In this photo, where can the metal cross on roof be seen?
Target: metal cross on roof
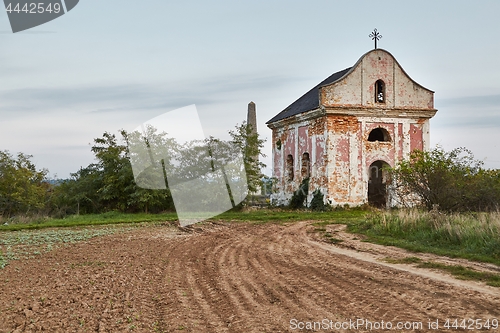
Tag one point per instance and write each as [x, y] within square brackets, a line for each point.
[375, 36]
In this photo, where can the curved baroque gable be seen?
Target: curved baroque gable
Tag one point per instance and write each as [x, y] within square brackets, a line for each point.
[358, 89]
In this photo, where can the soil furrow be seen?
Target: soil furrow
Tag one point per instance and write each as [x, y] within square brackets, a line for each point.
[226, 278]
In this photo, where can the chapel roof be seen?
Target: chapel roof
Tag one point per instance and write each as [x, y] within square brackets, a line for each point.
[310, 100]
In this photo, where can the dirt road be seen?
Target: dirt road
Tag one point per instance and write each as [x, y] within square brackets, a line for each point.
[232, 278]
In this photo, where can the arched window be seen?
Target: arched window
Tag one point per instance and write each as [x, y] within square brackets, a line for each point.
[289, 167]
[306, 166]
[379, 134]
[379, 91]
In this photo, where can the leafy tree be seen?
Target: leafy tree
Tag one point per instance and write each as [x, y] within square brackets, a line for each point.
[452, 181]
[148, 192]
[108, 184]
[80, 193]
[115, 172]
[484, 191]
[23, 188]
[251, 145]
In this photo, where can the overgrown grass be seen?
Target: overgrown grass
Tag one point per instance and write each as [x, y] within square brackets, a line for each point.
[331, 239]
[460, 272]
[85, 220]
[285, 216]
[464, 273]
[474, 236]
[407, 260]
[258, 216]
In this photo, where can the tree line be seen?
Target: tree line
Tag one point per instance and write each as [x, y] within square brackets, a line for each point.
[108, 184]
[435, 179]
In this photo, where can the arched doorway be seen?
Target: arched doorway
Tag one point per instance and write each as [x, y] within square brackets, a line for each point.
[377, 183]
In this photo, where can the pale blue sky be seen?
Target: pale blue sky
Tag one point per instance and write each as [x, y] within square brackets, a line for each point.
[114, 64]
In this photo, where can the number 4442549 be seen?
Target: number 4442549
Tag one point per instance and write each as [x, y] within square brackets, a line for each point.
[471, 324]
[34, 8]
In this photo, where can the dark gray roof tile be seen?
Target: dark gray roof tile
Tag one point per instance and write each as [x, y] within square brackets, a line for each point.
[309, 101]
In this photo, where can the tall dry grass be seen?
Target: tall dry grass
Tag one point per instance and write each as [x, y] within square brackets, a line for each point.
[474, 235]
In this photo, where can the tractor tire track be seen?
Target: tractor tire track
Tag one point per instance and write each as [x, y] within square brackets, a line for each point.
[258, 278]
[234, 277]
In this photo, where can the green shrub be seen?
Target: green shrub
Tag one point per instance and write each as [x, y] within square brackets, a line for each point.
[300, 195]
[450, 181]
[317, 202]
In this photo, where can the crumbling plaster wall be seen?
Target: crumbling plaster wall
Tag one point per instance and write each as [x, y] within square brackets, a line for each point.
[357, 88]
[350, 154]
[353, 112]
[337, 137]
[341, 154]
[297, 138]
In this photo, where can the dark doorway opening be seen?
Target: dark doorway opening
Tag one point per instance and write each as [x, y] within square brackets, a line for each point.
[377, 184]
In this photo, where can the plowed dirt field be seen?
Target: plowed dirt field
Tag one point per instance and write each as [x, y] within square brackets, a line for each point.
[236, 277]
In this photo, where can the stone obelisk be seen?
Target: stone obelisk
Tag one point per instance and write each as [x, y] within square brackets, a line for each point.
[252, 117]
[252, 121]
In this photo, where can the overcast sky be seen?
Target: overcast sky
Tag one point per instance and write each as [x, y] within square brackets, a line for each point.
[113, 64]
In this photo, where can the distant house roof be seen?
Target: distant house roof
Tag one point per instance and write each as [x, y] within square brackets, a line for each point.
[309, 101]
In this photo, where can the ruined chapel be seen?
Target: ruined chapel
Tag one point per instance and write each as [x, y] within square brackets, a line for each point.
[341, 133]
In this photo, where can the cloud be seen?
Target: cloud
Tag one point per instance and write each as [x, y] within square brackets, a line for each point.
[56, 97]
[56, 123]
[471, 101]
[470, 111]
[479, 140]
[123, 97]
